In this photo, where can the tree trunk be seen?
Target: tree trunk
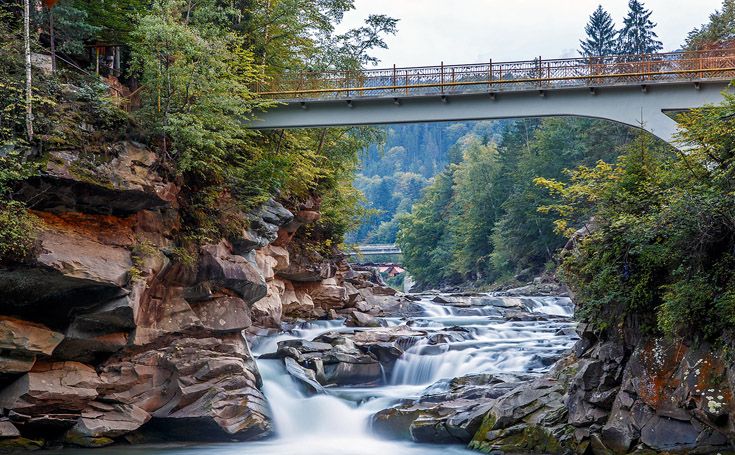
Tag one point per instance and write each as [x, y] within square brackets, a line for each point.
[29, 74]
[52, 37]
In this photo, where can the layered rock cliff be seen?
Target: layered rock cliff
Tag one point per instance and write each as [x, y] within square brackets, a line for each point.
[110, 331]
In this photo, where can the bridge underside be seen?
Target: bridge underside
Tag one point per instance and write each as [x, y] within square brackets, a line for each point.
[650, 107]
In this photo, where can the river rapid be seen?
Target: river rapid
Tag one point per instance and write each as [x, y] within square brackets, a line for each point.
[338, 422]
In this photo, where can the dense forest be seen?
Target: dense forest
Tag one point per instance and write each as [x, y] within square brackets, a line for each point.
[195, 65]
[394, 172]
[478, 220]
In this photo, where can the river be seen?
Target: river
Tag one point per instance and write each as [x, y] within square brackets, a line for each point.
[338, 422]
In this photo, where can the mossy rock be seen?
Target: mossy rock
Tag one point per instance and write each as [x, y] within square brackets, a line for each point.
[87, 441]
[20, 443]
[520, 439]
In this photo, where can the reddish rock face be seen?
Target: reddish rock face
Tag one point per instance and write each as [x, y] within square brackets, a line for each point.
[110, 291]
[24, 337]
[206, 380]
[52, 388]
[223, 314]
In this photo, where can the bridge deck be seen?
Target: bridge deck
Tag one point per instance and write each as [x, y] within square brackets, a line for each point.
[375, 250]
[537, 74]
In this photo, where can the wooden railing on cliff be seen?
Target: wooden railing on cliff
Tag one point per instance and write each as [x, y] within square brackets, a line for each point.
[715, 64]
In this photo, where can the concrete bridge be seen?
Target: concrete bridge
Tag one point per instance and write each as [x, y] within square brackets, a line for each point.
[645, 91]
[375, 250]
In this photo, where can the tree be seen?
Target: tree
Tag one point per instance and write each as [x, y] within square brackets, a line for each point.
[601, 35]
[720, 28]
[637, 36]
[351, 49]
[660, 250]
[69, 28]
[29, 69]
[424, 236]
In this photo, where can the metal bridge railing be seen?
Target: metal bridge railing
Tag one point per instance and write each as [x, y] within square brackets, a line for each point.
[717, 64]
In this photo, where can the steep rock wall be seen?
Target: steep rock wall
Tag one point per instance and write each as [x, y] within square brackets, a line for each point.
[110, 332]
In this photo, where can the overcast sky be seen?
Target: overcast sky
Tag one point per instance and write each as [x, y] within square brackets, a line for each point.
[468, 31]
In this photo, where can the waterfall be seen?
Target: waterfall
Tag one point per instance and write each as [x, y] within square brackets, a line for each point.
[472, 336]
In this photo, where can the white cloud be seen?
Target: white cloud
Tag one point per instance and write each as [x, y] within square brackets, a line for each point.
[464, 31]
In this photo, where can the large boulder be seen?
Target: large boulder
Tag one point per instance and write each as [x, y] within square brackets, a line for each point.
[52, 386]
[223, 314]
[267, 312]
[447, 413]
[308, 267]
[339, 362]
[164, 311]
[530, 419]
[220, 268]
[196, 389]
[296, 303]
[264, 224]
[326, 294]
[101, 423]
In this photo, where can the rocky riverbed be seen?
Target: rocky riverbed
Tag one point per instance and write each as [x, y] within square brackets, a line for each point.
[407, 382]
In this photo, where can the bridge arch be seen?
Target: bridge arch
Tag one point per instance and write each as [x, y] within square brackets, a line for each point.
[641, 91]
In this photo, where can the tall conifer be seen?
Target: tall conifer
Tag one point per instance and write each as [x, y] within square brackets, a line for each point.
[637, 35]
[601, 35]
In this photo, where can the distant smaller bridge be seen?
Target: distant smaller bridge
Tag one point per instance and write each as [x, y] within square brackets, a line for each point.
[375, 250]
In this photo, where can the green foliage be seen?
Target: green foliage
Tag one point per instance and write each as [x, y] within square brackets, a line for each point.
[424, 237]
[350, 50]
[109, 22]
[72, 27]
[12, 88]
[394, 174]
[490, 226]
[196, 62]
[18, 230]
[720, 28]
[197, 71]
[661, 245]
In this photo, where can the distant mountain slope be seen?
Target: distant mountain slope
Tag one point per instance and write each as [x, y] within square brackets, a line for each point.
[394, 174]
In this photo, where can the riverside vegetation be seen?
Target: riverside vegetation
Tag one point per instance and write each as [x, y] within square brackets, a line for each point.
[148, 241]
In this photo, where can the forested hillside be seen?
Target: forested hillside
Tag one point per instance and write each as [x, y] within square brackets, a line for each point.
[394, 172]
[478, 221]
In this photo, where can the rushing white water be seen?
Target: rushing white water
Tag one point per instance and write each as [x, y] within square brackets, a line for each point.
[337, 422]
[491, 344]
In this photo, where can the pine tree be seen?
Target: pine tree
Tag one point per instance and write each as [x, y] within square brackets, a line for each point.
[637, 35]
[601, 35]
[718, 31]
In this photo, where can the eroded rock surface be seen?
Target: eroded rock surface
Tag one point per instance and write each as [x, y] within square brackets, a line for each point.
[112, 331]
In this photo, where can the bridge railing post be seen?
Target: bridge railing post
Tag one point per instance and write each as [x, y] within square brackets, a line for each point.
[442, 78]
[490, 76]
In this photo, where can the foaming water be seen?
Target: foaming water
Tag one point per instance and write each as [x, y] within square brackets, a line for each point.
[304, 331]
[469, 339]
[556, 306]
[466, 339]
